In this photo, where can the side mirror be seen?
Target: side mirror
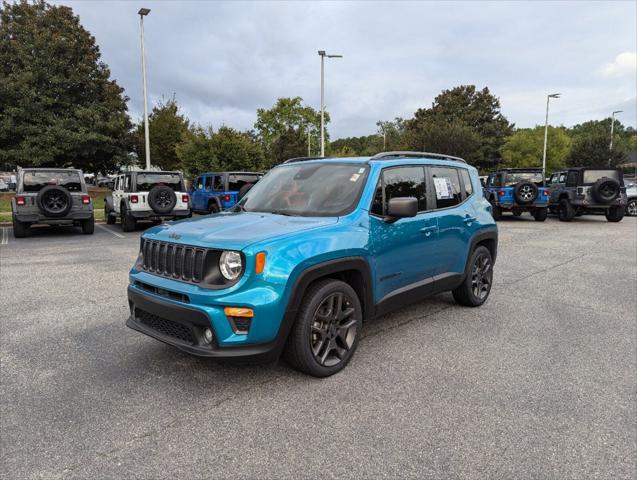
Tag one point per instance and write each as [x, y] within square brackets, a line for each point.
[401, 207]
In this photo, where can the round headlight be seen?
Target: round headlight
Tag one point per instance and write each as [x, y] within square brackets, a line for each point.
[230, 264]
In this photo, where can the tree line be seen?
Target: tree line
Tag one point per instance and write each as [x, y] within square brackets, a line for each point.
[59, 107]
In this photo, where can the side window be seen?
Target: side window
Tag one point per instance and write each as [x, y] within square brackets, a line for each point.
[199, 183]
[116, 184]
[571, 179]
[400, 182]
[206, 183]
[466, 181]
[553, 179]
[217, 184]
[447, 184]
[562, 178]
[127, 183]
[489, 181]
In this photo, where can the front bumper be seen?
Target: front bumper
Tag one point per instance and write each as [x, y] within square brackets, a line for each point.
[150, 215]
[183, 327]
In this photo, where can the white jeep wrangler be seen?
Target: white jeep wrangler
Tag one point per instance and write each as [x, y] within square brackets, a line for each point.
[154, 196]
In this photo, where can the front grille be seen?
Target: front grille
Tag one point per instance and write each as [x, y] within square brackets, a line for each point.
[165, 326]
[172, 260]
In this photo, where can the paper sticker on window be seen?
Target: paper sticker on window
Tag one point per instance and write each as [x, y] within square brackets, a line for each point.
[444, 188]
[354, 177]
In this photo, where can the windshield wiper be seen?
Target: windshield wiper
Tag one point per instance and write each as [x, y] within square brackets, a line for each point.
[281, 212]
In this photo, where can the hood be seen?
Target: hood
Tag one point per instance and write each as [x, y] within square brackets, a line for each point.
[234, 231]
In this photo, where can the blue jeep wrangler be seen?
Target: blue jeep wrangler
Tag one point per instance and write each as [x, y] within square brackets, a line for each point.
[316, 247]
[517, 190]
[215, 191]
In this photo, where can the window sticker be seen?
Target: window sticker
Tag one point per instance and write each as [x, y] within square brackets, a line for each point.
[444, 188]
[361, 170]
[354, 177]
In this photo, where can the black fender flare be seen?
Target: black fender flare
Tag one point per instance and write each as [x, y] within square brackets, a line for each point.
[108, 204]
[215, 200]
[481, 236]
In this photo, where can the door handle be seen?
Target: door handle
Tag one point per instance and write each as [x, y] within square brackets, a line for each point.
[469, 220]
[428, 230]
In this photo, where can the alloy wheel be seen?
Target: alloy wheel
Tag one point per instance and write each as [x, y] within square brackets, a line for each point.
[55, 202]
[631, 208]
[526, 193]
[334, 329]
[481, 276]
[163, 199]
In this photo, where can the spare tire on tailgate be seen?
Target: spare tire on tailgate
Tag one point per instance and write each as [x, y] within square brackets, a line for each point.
[605, 190]
[525, 192]
[54, 201]
[162, 199]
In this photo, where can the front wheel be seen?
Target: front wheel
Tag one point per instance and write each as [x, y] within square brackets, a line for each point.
[566, 211]
[476, 286]
[327, 328]
[615, 214]
[540, 214]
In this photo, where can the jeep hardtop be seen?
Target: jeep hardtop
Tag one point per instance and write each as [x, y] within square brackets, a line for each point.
[51, 196]
[147, 195]
[517, 190]
[582, 190]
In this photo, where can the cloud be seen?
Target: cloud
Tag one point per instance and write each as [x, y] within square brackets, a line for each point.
[624, 63]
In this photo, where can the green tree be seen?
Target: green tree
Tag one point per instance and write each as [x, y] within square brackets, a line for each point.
[525, 148]
[58, 106]
[228, 149]
[274, 125]
[166, 127]
[365, 146]
[469, 114]
[453, 138]
[591, 142]
[392, 134]
[288, 144]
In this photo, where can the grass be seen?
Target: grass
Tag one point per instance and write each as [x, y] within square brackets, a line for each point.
[97, 195]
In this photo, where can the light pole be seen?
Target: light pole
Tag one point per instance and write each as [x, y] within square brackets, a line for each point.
[612, 126]
[546, 132]
[322, 54]
[142, 13]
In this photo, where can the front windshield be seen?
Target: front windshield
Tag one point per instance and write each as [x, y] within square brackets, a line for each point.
[308, 189]
[514, 177]
[591, 176]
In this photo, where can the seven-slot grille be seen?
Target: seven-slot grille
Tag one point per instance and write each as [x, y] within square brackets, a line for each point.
[181, 262]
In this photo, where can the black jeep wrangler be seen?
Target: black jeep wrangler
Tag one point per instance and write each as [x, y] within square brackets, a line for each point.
[577, 191]
[51, 196]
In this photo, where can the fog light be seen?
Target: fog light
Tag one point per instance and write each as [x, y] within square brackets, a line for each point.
[207, 335]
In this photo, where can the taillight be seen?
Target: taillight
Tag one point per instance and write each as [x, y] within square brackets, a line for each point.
[86, 199]
[184, 198]
[502, 193]
[546, 193]
[226, 198]
[20, 200]
[134, 199]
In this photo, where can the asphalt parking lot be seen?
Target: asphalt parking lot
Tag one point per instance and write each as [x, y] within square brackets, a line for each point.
[538, 383]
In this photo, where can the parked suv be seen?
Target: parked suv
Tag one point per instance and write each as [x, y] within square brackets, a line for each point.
[631, 199]
[517, 190]
[154, 196]
[51, 196]
[316, 247]
[216, 191]
[582, 190]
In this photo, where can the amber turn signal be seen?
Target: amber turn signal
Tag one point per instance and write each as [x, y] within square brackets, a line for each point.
[238, 312]
[260, 262]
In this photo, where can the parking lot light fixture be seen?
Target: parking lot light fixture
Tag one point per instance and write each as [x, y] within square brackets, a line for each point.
[612, 126]
[546, 131]
[322, 54]
[142, 13]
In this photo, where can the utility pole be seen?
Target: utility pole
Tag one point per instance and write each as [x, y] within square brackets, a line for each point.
[612, 126]
[142, 13]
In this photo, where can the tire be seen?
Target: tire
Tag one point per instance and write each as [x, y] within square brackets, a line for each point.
[20, 229]
[525, 192]
[540, 214]
[614, 214]
[476, 286]
[54, 201]
[245, 189]
[566, 211]
[213, 208]
[110, 219]
[162, 199]
[631, 207]
[517, 213]
[605, 190]
[496, 211]
[306, 349]
[128, 222]
[88, 226]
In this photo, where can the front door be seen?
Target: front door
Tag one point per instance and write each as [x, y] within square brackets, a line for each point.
[404, 251]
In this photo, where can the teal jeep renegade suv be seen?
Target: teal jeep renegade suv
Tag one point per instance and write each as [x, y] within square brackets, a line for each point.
[315, 248]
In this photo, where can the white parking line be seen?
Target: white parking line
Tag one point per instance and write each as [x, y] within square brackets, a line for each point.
[5, 236]
[118, 235]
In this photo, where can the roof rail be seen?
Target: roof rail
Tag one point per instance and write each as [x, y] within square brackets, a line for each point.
[386, 155]
[303, 159]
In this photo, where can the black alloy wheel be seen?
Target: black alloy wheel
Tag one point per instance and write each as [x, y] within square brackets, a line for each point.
[481, 276]
[631, 207]
[54, 201]
[333, 330]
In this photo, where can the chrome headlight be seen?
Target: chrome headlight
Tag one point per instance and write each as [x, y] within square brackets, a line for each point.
[230, 264]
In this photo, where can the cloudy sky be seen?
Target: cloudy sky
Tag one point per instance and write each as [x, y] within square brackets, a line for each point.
[223, 60]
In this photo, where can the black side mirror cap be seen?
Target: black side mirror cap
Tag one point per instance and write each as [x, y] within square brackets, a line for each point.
[401, 207]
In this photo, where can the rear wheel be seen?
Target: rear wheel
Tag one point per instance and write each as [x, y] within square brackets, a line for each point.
[496, 211]
[566, 211]
[327, 328]
[110, 219]
[128, 222]
[20, 229]
[88, 226]
[540, 214]
[476, 286]
[631, 207]
[615, 214]
[213, 208]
